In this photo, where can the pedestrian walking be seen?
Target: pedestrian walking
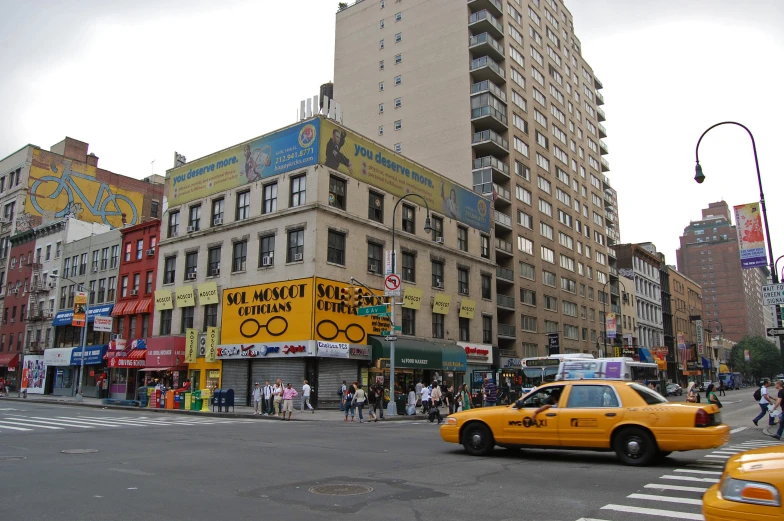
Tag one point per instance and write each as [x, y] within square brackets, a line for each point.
[267, 398]
[288, 400]
[378, 391]
[762, 397]
[436, 395]
[710, 395]
[425, 399]
[449, 399]
[257, 394]
[778, 405]
[277, 398]
[691, 393]
[412, 400]
[348, 401]
[491, 393]
[306, 398]
[360, 397]
[721, 388]
[418, 390]
[465, 398]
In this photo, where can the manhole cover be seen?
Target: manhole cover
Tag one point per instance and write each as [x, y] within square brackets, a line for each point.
[79, 451]
[340, 490]
[12, 458]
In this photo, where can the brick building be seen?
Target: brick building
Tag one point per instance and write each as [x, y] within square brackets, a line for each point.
[709, 254]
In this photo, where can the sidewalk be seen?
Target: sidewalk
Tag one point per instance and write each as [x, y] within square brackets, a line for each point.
[238, 412]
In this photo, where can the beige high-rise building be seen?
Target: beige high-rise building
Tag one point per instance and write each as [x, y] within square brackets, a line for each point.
[497, 96]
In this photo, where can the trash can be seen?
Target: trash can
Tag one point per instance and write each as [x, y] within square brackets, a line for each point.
[144, 396]
[181, 400]
[205, 400]
[400, 402]
[187, 401]
[227, 399]
[196, 401]
[216, 399]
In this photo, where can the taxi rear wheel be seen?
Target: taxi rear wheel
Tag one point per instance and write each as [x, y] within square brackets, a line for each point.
[635, 446]
[477, 439]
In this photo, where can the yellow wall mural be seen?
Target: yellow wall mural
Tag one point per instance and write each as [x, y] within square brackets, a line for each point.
[59, 187]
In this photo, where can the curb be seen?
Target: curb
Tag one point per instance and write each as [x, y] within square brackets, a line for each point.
[194, 413]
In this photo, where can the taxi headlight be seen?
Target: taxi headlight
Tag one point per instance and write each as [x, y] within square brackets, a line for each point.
[750, 492]
[451, 421]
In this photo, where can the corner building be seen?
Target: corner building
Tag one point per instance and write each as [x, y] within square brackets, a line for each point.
[259, 239]
[497, 95]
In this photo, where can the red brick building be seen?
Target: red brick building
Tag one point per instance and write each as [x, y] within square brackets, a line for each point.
[133, 311]
[709, 254]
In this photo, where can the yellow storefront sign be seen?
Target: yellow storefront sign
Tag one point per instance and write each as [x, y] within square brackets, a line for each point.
[191, 345]
[211, 346]
[184, 295]
[58, 188]
[208, 293]
[441, 304]
[337, 321]
[412, 298]
[467, 308]
[163, 299]
[274, 312]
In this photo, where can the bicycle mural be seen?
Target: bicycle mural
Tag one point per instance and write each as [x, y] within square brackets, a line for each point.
[61, 187]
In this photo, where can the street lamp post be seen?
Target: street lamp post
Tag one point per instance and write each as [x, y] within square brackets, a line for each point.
[700, 178]
[604, 312]
[392, 406]
[79, 394]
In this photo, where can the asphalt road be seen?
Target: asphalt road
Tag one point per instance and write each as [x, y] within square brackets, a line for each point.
[168, 467]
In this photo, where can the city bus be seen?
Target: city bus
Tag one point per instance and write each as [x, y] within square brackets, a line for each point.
[622, 368]
[533, 372]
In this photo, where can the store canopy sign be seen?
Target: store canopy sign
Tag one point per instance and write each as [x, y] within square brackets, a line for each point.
[208, 293]
[337, 321]
[163, 299]
[266, 350]
[184, 296]
[332, 349]
[58, 356]
[477, 353]
[93, 355]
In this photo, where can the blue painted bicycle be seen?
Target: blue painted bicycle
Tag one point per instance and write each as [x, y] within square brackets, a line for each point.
[107, 205]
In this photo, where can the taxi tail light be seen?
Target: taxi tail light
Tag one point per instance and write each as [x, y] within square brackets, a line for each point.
[703, 419]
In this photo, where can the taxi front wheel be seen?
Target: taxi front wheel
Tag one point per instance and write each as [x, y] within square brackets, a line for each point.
[635, 446]
[477, 439]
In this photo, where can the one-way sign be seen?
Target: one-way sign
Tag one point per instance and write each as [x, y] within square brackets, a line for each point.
[775, 331]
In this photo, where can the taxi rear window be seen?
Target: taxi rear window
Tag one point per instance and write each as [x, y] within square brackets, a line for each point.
[651, 397]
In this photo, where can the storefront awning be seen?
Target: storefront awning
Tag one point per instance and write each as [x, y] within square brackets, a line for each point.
[142, 306]
[421, 354]
[58, 356]
[9, 360]
[119, 308]
[706, 364]
[93, 355]
[63, 318]
[155, 369]
[645, 355]
[724, 369]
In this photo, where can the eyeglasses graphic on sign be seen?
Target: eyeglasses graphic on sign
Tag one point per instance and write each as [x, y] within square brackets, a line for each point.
[329, 330]
[275, 326]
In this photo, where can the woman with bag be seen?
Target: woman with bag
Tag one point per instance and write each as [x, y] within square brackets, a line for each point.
[710, 395]
[691, 393]
[348, 401]
[465, 398]
[360, 397]
[412, 401]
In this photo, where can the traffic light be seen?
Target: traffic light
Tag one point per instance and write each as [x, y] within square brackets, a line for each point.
[356, 296]
[345, 294]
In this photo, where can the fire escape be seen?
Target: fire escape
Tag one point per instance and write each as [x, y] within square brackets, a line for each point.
[36, 306]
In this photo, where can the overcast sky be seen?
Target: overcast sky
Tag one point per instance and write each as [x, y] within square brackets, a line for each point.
[139, 80]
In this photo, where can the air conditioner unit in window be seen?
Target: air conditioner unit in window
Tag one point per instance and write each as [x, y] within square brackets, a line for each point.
[373, 266]
[217, 221]
[134, 292]
[215, 272]
[95, 266]
[15, 291]
[266, 261]
[439, 284]
[173, 234]
[440, 240]
[151, 252]
[116, 337]
[190, 229]
[13, 320]
[297, 257]
[191, 276]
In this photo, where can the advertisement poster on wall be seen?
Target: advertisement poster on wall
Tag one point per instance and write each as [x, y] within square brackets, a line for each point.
[79, 318]
[612, 322]
[33, 374]
[751, 238]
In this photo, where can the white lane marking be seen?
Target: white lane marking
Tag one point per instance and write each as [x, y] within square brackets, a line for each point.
[590, 519]
[49, 421]
[725, 452]
[689, 478]
[13, 428]
[708, 472]
[28, 424]
[717, 457]
[666, 499]
[679, 488]
[111, 423]
[654, 512]
[738, 429]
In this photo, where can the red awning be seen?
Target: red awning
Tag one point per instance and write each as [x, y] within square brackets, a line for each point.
[136, 354]
[9, 359]
[144, 306]
[119, 309]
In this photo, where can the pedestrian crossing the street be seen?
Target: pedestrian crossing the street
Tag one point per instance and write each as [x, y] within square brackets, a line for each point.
[17, 423]
[677, 494]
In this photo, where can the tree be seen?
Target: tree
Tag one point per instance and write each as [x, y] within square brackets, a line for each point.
[765, 358]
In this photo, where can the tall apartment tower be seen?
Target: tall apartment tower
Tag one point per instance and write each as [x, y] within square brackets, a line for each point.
[497, 96]
[709, 254]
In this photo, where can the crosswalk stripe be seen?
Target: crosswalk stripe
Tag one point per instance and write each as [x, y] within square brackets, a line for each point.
[115, 423]
[679, 488]
[28, 424]
[707, 465]
[654, 512]
[726, 452]
[689, 478]
[690, 471]
[738, 429]
[48, 421]
[13, 428]
[666, 499]
[590, 519]
[717, 457]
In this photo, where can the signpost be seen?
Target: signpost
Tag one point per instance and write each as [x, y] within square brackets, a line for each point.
[371, 310]
[392, 285]
[772, 294]
[775, 331]
[391, 338]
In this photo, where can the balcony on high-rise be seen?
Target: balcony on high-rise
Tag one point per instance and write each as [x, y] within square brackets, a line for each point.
[597, 83]
[502, 198]
[605, 165]
[506, 302]
[602, 131]
[491, 5]
[488, 142]
[486, 68]
[484, 22]
[600, 114]
[506, 331]
[485, 45]
[503, 220]
[504, 275]
[603, 148]
[503, 247]
[498, 169]
[599, 98]
[488, 86]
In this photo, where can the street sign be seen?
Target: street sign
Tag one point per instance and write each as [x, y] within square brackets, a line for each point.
[398, 328]
[772, 294]
[392, 285]
[386, 333]
[385, 315]
[371, 310]
[775, 331]
[391, 338]
[388, 261]
[553, 343]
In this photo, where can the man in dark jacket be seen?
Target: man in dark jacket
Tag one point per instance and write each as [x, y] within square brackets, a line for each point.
[334, 157]
[491, 393]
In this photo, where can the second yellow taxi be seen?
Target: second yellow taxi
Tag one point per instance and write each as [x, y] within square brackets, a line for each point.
[636, 422]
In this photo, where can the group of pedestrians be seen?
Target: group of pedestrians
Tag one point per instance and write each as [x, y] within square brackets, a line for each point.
[769, 405]
[277, 400]
[354, 398]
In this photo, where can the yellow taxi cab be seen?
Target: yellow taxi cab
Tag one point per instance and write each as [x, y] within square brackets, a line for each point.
[639, 424]
[750, 488]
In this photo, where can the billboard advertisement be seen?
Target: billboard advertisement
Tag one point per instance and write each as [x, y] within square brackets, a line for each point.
[273, 312]
[337, 321]
[79, 318]
[351, 154]
[612, 322]
[751, 238]
[60, 187]
[681, 340]
[260, 158]
[33, 374]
